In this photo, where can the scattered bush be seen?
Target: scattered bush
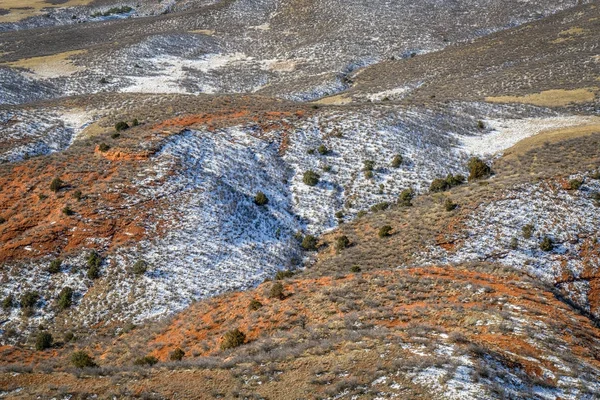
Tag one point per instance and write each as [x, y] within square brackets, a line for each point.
[341, 242]
[283, 274]
[310, 151]
[368, 165]
[323, 150]
[361, 214]
[441, 185]
[135, 122]
[232, 339]
[339, 214]
[368, 174]
[93, 262]
[29, 299]
[8, 302]
[355, 269]
[528, 231]
[93, 273]
[311, 178]
[309, 243]
[547, 244]
[397, 161]
[449, 205]
[81, 359]
[177, 354]
[276, 291]
[575, 184]
[67, 210]
[326, 168]
[103, 147]
[146, 361]
[55, 265]
[481, 124]
[514, 243]
[406, 197]
[56, 184]
[260, 199]
[380, 206]
[140, 267]
[478, 169]
[115, 135]
[455, 180]
[254, 305]
[65, 298]
[385, 231]
[43, 341]
[121, 126]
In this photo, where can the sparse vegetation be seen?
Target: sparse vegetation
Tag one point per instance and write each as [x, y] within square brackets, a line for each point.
[441, 185]
[29, 299]
[547, 244]
[406, 197]
[43, 341]
[311, 178]
[276, 291]
[65, 298]
[140, 267]
[232, 339]
[380, 206]
[309, 243]
[177, 354]
[67, 210]
[260, 199]
[355, 269]
[341, 242]
[384, 231]
[397, 161]
[103, 147]
[575, 184]
[323, 150]
[81, 359]
[8, 302]
[283, 274]
[528, 231]
[478, 169]
[146, 361]
[121, 126]
[77, 195]
[254, 305]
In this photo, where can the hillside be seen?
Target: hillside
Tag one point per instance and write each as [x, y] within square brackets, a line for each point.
[163, 167]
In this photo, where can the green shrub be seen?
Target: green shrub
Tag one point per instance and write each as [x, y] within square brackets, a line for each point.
[323, 150]
[397, 161]
[449, 205]
[177, 354]
[455, 180]
[283, 274]
[140, 267]
[65, 298]
[310, 151]
[276, 291]
[29, 299]
[56, 184]
[406, 197]
[438, 185]
[309, 243]
[260, 199]
[43, 341]
[254, 305]
[55, 265]
[514, 243]
[81, 359]
[121, 126]
[575, 184]
[77, 195]
[93, 259]
[341, 242]
[481, 124]
[355, 269]
[326, 168]
[369, 174]
[368, 165]
[135, 122]
[361, 214]
[339, 214]
[232, 339]
[115, 135]
[385, 231]
[146, 361]
[67, 210]
[528, 231]
[93, 272]
[384, 205]
[8, 302]
[547, 244]
[478, 169]
[311, 178]
[103, 147]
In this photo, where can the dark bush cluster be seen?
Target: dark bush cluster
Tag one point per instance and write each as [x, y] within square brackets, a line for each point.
[341, 242]
[575, 184]
[323, 150]
[311, 178]
[547, 244]
[449, 205]
[283, 274]
[146, 361]
[65, 298]
[397, 161]
[103, 147]
[81, 359]
[309, 243]
[43, 341]
[443, 184]
[528, 231]
[232, 339]
[29, 299]
[56, 184]
[276, 291]
[406, 197]
[177, 354]
[385, 231]
[478, 169]
[254, 305]
[140, 267]
[55, 266]
[93, 263]
[384, 205]
[260, 199]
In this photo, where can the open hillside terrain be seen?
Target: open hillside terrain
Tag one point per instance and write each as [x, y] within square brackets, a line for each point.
[289, 199]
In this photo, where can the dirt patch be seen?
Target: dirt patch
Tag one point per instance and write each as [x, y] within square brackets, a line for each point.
[550, 98]
[20, 9]
[53, 66]
[340, 99]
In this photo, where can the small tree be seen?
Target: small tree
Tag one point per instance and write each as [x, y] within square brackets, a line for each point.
[177, 354]
[478, 169]
[309, 243]
[311, 178]
[323, 150]
[56, 184]
[55, 266]
[438, 185]
[385, 231]
[368, 165]
[254, 305]
[29, 299]
[449, 205]
[81, 359]
[514, 243]
[276, 291]
[43, 341]
[65, 298]
[341, 242]
[397, 161]
[547, 244]
[528, 231]
[140, 267]
[406, 197]
[232, 339]
[121, 126]
[93, 273]
[260, 199]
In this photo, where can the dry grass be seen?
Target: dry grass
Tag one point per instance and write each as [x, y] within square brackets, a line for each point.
[53, 66]
[550, 98]
[21, 9]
